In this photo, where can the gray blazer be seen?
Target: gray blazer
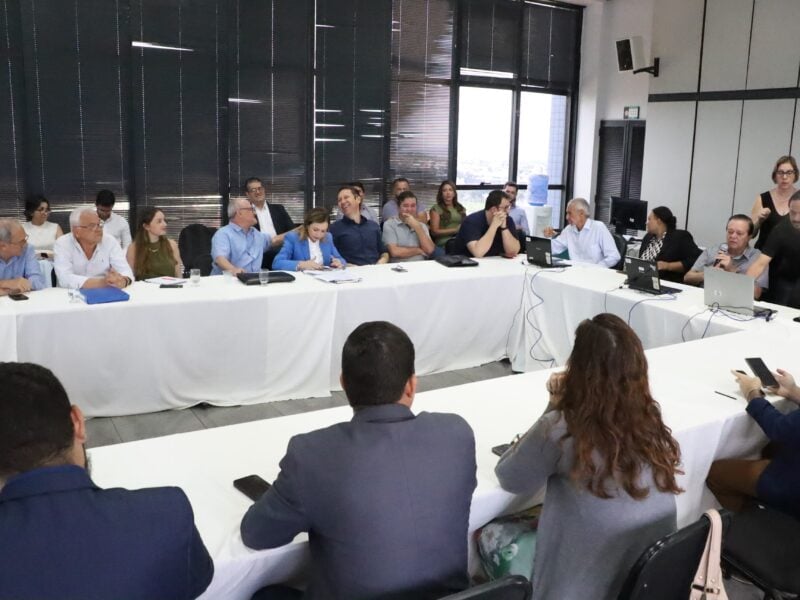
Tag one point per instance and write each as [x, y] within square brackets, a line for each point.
[385, 499]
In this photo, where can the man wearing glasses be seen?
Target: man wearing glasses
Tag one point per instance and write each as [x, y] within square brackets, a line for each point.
[19, 270]
[271, 218]
[239, 246]
[85, 258]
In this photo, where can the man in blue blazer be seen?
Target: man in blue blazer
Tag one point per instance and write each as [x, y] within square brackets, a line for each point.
[385, 497]
[63, 537]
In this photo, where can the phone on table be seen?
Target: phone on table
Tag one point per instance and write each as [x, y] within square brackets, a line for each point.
[761, 371]
[18, 297]
[171, 286]
[251, 486]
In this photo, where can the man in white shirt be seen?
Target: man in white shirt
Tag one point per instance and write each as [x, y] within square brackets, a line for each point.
[85, 258]
[114, 225]
[586, 240]
[516, 213]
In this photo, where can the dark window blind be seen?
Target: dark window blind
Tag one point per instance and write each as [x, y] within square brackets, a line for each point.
[178, 57]
[268, 92]
[422, 40]
[550, 46]
[489, 34]
[352, 94]
[76, 104]
[12, 94]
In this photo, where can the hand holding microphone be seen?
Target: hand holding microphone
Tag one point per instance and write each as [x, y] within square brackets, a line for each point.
[721, 256]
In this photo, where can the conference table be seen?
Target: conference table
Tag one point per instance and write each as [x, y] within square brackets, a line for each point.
[691, 381]
[224, 343]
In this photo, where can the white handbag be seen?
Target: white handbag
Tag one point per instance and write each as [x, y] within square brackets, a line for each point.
[707, 583]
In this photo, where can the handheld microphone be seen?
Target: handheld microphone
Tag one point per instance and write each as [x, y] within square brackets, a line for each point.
[722, 248]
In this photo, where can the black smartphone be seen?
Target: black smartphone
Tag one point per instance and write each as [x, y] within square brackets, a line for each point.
[18, 297]
[171, 286]
[796, 319]
[251, 486]
[761, 371]
[501, 449]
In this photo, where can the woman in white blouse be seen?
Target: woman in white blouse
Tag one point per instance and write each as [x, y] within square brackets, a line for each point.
[42, 234]
[310, 248]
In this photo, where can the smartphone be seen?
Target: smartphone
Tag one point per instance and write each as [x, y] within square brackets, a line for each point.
[399, 269]
[501, 449]
[171, 286]
[796, 319]
[251, 486]
[18, 297]
[761, 371]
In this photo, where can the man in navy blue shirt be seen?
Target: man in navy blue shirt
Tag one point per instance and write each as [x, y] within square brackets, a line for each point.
[356, 238]
[63, 537]
[490, 232]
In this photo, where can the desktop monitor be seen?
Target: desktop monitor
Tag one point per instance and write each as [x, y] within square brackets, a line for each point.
[627, 215]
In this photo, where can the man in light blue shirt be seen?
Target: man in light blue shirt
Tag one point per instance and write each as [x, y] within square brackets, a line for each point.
[585, 239]
[19, 269]
[239, 246]
[516, 213]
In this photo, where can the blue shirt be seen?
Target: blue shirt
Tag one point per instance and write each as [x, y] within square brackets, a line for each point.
[360, 243]
[243, 250]
[592, 244]
[520, 218]
[25, 265]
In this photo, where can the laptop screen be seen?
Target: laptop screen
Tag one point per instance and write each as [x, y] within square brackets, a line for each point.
[539, 251]
[730, 291]
[642, 274]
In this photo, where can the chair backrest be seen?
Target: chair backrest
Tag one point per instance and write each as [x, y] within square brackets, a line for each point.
[666, 569]
[194, 244]
[513, 587]
[622, 248]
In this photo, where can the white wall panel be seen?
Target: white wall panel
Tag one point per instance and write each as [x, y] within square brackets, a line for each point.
[714, 169]
[766, 134]
[725, 46]
[668, 155]
[775, 46]
[677, 30]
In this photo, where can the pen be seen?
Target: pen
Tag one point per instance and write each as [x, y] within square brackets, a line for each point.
[726, 395]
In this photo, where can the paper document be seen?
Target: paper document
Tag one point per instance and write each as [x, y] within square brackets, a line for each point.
[335, 276]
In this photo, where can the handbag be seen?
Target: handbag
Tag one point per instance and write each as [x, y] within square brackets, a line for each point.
[707, 583]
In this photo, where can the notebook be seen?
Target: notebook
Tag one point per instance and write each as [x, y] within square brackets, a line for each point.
[731, 291]
[643, 277]
[104, 295]
[274, 277]
[540, 254]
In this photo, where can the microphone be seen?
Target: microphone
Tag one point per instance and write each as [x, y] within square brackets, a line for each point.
[722, 248]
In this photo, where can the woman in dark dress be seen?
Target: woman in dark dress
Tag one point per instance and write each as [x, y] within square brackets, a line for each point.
[771, 206]
[673, 250]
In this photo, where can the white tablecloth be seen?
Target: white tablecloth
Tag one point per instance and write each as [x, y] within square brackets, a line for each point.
[684, 379]
[8, 331]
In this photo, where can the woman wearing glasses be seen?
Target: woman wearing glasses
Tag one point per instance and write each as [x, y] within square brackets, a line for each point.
[42, 234]
[771, 206]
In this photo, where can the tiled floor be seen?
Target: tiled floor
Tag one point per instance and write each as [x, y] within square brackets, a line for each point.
[103, 431]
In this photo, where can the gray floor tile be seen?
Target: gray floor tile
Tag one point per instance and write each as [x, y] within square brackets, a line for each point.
[100, 431]
[218, 416]
[435, 381]
[490, 370]
[340, 397]
[141, 427]
[301, 405]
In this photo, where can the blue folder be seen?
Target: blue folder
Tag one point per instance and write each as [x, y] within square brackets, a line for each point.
[104, 295]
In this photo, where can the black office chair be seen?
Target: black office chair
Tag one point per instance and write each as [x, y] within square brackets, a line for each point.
[665, 570]
[762, 545]
[451, 246]
[622, 248]
[513, 587]
[194, 244]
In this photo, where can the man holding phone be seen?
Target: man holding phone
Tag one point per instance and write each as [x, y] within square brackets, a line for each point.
[385, 497]
[19, 270]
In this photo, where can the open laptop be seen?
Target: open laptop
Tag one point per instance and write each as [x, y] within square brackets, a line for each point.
[731, 291]
[540, 254]
[274, 277]
[643, 277]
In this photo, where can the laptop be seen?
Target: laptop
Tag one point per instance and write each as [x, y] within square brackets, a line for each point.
[274, 277]
[456, 260]
[731, 291]
[643, 277]
[540, 254]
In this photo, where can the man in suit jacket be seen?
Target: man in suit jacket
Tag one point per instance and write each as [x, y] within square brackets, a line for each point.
[385, 497]
[272, 219]
[63, 537]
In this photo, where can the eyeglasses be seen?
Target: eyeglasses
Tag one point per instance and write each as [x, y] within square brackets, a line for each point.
[255, 189]
[92, 227]
[250, 208]
[21, 242]
[788, 173]
[42, 209]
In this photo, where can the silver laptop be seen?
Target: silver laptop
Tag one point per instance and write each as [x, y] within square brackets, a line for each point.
[729, 291]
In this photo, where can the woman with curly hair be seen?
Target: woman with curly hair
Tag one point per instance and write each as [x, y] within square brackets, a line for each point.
[608, 464]
[447, 214]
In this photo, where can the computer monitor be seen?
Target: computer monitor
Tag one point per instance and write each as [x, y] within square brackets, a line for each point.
[628, 215]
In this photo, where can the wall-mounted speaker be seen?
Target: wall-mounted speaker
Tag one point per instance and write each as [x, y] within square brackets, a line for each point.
[630, 54]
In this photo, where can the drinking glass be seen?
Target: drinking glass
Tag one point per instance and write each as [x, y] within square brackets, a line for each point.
[263, 276]
[194, 276]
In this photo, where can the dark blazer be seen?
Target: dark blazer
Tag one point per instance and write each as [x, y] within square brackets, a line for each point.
[678, 246]
[62, 537]
[283, 223]
[385, 498]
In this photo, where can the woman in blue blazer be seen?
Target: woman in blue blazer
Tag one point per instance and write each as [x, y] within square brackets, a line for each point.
[310, 248]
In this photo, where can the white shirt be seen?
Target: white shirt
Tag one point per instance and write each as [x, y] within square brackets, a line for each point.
[118, 228]
[73, 268]
[592, 244]
[315, 252]
[41, 237]
[265, 220]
